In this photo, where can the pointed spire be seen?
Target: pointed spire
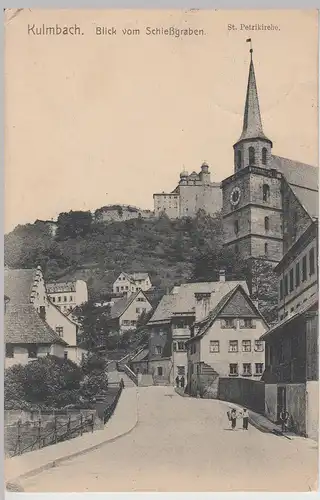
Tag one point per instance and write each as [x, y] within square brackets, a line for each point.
[252, 124]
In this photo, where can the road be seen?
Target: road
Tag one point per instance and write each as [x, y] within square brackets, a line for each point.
[185, 444]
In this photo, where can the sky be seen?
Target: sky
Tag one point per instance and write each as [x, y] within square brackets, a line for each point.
[92, 120]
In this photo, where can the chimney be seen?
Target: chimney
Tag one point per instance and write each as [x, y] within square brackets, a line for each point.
[222, 275]
[203, 300]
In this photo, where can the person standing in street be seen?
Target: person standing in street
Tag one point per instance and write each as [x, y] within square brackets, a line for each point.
[245, 419]
[233, 418]
[182, 382]
[284, 417]
[177, 381]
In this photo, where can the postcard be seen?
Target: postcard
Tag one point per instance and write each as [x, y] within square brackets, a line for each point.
[161, 257]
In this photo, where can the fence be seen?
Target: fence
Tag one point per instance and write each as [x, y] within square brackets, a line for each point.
[22, 437]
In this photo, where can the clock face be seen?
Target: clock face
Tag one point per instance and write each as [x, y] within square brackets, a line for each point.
[235, 196]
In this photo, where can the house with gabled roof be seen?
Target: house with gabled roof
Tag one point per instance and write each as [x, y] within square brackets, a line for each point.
[34, 326]
[125, 312]
[127, 283]
[225, 339]
[67, 295]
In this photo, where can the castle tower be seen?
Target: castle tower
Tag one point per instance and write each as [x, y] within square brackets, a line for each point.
[252, 200]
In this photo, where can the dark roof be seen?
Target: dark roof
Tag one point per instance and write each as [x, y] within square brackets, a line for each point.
[23, 325]
[122, 304]
[18, 285]
[67, 287]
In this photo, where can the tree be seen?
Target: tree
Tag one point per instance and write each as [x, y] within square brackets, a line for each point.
[264, 287]
[73, 224]
[95, 322]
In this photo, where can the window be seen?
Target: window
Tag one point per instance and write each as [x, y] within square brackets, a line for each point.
[266, 248]
[9, 351]
[181, 346]
[127, 288]
[239, 159]
[65, 298]
[297, 274]
[122, 288]
[246, 345]
[160, 371]
[32, 351]
[137, 310]
[304, 268]
[140, 299]
[252, 156]
[247, 323]
[214, 346]
[53, 299]
[42, 312]
[258, 345]
[281, 289]
[117, 288]
[265, 192]
[259, 368]
[233, 369]
[59, 299]
[291, 280]
[286, 285]
[174, 346]
[266, 223]
[233, 346]
[228, 323]
[264, 156]
[246, 367]
[158, 349]
[311, 262]
[59, 330]
[292, 309]
[236, 226]
[65, 355]
[181, 370]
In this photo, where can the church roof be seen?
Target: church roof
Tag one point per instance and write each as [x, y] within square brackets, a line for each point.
[252, 124]
[303, 180]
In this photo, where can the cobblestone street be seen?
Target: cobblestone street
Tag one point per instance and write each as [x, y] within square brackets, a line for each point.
[186, 444]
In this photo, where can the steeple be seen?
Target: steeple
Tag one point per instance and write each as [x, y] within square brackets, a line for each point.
[253, 147]
[252, 124]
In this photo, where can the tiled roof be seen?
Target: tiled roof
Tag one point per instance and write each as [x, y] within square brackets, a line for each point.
[164, 309]
[139, 276]
[67, 287]
[18, 284]
[121, 305]
[185, 300]
[23, 325]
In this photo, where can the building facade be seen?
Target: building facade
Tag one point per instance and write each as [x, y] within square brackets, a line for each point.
[66, 296]
[225, 340]
[194, 192]
[267, 196]
[126, 312]
[292, 349]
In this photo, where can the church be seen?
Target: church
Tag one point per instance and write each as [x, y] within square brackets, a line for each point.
[269, 201]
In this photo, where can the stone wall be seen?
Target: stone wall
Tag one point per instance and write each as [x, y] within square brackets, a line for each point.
[247, 393]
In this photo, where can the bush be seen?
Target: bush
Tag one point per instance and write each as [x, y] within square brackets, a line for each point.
[94, 385]
[93, 363]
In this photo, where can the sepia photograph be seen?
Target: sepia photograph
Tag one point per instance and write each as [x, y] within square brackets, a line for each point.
[161, 250]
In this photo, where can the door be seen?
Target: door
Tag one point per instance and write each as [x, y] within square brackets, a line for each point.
[281, 401]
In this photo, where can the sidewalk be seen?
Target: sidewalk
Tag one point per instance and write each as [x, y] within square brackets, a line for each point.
[124, 419]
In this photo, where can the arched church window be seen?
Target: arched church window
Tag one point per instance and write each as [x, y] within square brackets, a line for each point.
[264, 156]
[239, 159]
[266, 192]
[266, 248]
[251, 155]
[266, 223]
[236, 226]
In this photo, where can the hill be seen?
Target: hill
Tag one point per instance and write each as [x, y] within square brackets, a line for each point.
[171, 251]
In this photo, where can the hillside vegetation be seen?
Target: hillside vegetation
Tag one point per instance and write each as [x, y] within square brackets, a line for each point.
[171, 251]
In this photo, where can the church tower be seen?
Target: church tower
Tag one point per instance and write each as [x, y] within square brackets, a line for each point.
[252, 201]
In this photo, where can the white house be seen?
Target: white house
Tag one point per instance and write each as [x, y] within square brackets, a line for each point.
[34, 326]
[66, 296]
[126, 311]
[129, 283]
